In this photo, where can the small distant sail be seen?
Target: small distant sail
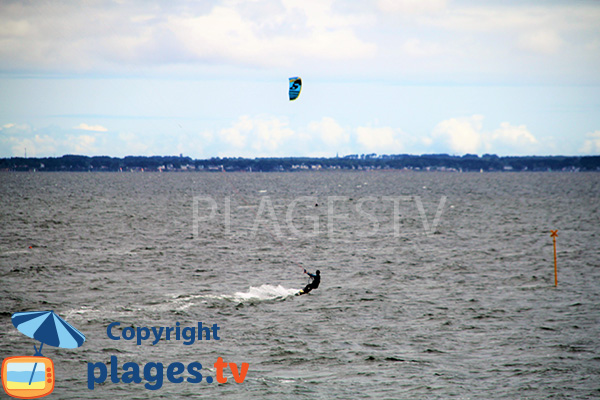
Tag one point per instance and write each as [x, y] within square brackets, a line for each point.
[295, 87]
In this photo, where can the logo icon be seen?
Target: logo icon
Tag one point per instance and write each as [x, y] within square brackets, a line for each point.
[33, 377]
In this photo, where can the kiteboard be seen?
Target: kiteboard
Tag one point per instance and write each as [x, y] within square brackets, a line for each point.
[301, 292]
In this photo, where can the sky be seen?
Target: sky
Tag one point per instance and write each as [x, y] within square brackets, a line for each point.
[210, 78]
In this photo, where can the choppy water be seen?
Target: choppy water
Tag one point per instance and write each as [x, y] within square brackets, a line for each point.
[460, 307]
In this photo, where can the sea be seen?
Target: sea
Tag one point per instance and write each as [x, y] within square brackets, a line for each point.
[435, 285]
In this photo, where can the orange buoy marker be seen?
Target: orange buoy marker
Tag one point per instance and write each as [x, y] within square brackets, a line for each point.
[554, 235]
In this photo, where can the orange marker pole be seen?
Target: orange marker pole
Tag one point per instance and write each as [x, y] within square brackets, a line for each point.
[554, 235]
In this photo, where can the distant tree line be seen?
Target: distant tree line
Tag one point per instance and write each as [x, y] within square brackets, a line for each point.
[428, 162]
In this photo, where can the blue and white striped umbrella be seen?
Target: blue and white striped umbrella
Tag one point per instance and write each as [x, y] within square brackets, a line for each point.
[48, 328]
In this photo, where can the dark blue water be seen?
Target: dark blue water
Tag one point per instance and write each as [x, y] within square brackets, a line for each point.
[434, 285]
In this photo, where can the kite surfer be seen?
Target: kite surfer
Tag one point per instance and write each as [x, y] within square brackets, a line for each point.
[315, 279]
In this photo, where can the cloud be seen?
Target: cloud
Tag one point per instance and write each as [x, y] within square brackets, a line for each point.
[82, 144]
[39, 144]
[65, 37]
[419, 48]
[258, 136]
[131, 143]
[511, 139]
[94, 128]
[518, 19]
[411, 6]
[461, 135]
[193, 143]
[53, 140]
[379, 139]
[329, 131]
[237, 134]
[16, 129]
[466, 135]
[271, 134]
[513, 135]
[16, 140]
[494, 41]
[288, 35]
[368, 39]
[592, 144]
[542, 41]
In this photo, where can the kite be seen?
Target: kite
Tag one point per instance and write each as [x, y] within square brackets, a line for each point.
[295, 87]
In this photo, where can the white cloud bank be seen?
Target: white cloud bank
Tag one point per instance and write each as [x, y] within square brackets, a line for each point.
[411, 7]
[371, 38]
[257, 136]
[99, 37]
[82, 144]
[287, 33]
[466, 135]
[16, 140]
[544, 41]
[94, 128]
[330, 132]
[591, 145]
[382, 140]
[518, 137]
[461, 135]
[273, 136]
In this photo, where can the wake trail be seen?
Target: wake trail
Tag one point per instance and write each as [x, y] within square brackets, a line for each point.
[264, 292]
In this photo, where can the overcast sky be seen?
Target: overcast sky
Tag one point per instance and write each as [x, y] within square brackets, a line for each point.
[210, 78]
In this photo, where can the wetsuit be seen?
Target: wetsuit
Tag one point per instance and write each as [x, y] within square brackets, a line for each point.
[316, 279]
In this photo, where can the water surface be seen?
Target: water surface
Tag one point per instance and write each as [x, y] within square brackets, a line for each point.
[465, 308]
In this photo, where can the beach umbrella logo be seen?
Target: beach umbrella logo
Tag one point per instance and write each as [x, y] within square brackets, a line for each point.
[33, 377]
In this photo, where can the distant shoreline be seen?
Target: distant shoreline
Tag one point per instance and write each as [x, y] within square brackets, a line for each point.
[425, 162]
